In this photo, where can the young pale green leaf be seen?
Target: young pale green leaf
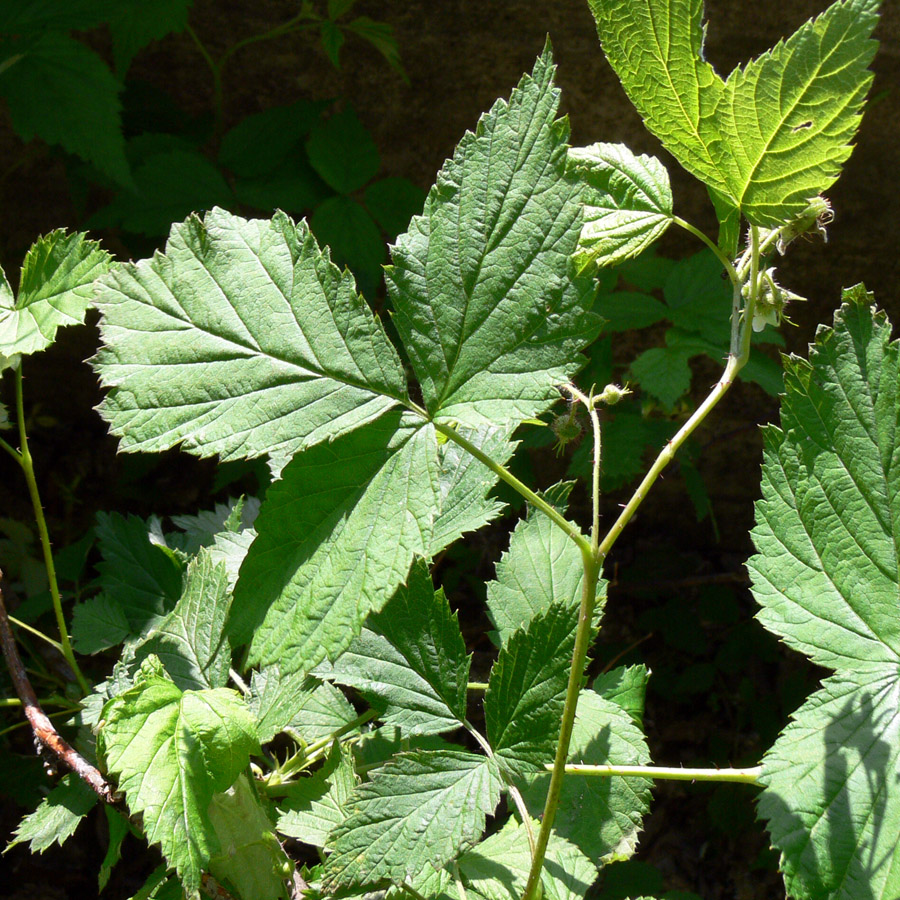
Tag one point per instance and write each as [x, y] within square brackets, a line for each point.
[484, 296]
[312, 710]
[656, 49]
[410, 661]
[421, 808]
[63, 92]
[190, 642]
[466, 483]
[627, 203]
[826, 577]
[601, 816]
[497, 869]
[315, 806]
[171, 752]
[55, 290]
[524, 699]
[242, 339]
[542, 567]
[337, 536]
[789, 117]
[143, 578]
[251, 862]
[57, 816]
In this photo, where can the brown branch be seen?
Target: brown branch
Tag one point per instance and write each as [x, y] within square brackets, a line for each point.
[44, 730]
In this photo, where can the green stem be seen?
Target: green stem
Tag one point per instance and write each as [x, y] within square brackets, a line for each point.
[216, 70]
[40, 634]
[668, 773]
[726, 262]
[592, 566]
[411, 891]
[505, 475]
[6, 703]
[476, 686]
[588, 403]
[11, 451]
[28, 468]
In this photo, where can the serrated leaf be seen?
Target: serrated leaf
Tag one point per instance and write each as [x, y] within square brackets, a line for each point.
[826, 577]
[135, 24]
[171, 752]
[57, 816]
[656, 49]
[789, 117]
[252, 862]
[497, 869]
[342, 151]
[381, 36]
[336, 537]
[63, 93]
[410, 661]
[140, 576]
[484, 296]
[312, 710]
[628, 310]
[315, 365]
[601, 816]
[626, 686]
[627, 203]
[98, 624]
[332, 40]
[542, 567]
[524, 698]
[190, 642]
[315, 806]
[466, 483]
[664, 372]
[421, 808]
[118, 828]
[393, 202]
[55, 290]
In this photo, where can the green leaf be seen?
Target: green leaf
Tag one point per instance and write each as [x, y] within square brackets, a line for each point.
[627, 203]
[484, 296]
[601, 816]
[337, 536]
[626, 686]
[524, 699]
[381, 36]
[297, 359]
[315, 806]
[628, 310]
[466, 483]
[664, 373]
[57, 817]
[55, 290]
[497, 869]
[136, 23]
[342, 151]
[656, 49]
[699, 299]
[332, 40]
[312, 710]
[172, 751]
[789, 117]
[421, 808]
[63, 93]
[118, 828]
[542, 567]
[410, 661]
[252, 862]
[293, 187]
[143, 578]
[826, 577]
[190, 642]
[393, 202]
[22, 16]
[98, 624]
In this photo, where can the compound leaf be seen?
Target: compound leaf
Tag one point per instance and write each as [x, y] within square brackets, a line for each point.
[826, 577]
[56, 289]
[410, 661]
[241, 339]
[524, 698]
[57, 816]
[172, 751]
[336, 537]
[627, 203]
[420, 809]
[63, 92]
[789, 117]
[483, 293]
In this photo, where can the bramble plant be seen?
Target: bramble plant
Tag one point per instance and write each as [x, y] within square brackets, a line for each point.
[243, 625]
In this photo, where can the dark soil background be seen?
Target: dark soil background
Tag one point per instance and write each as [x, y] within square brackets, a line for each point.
[678, 598]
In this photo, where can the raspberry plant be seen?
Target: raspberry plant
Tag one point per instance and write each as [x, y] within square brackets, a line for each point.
[241, 627]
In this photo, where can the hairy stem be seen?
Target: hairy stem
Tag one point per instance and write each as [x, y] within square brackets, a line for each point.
[28, 468]
[726, 262]
[668, 773]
